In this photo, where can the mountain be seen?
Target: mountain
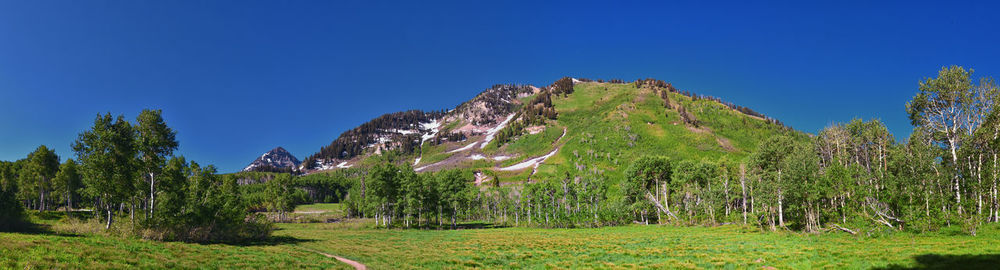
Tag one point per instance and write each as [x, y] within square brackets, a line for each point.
[407, 131]
[572, 127]
[276, 160]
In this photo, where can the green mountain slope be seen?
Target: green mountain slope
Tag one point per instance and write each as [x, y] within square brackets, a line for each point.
[599, 126]
[609, 125]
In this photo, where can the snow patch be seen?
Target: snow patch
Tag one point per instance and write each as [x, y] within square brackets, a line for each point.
[415, 161]
[501, 158]
[493, 131]
[476, 157]
[531, 162]
[433, 127]
[402, 131]
[343, 165]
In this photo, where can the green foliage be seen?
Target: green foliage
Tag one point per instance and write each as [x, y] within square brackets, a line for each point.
[692, 183]
[117, 159]
[198, 205]
[155, 141]
[454, 191]
[36, 176]
[645, 175]
[326, 187]
[11, 212]
[563, 86]
[279, 194]
[68, 182]
[107, 155]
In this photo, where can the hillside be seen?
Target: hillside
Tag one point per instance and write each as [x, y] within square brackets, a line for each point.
[525, 132]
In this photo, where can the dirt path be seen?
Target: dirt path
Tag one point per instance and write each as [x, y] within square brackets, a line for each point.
[354, 264]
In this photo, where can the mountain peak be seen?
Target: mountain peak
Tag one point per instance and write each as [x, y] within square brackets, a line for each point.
[278, 159]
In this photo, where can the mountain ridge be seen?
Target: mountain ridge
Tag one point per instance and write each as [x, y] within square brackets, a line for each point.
[518, 131]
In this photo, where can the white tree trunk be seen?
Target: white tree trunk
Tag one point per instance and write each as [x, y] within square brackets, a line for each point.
[954, 158]
[743, 189]
[152, 194]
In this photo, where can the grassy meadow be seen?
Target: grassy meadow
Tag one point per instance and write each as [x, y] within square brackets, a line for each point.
[298, 245]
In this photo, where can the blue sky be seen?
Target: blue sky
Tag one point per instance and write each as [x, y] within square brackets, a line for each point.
[238, 78]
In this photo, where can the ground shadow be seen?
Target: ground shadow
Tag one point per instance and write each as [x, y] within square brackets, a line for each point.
[938, 261]
[461, 226]
[28, 227]
[477, 225]
[272, 241]
[41, 222]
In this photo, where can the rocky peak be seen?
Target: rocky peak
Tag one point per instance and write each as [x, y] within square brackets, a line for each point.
[276, 159]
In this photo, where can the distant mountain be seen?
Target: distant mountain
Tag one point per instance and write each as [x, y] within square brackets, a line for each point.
[276, 160]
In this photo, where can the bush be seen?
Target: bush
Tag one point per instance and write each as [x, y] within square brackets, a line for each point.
[254, 228]
[196, 205]
[11, 213]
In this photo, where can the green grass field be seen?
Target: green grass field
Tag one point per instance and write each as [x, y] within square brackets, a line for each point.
[635, 246]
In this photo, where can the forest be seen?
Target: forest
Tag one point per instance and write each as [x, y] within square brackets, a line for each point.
[127, 170]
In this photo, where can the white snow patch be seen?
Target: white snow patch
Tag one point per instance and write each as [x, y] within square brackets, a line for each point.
[531, 162]
[467, 147]
[501, 158]
[493, 131]
[421, 168]
[415, 161]
[403, 131]
[343, 165]
[575, 81]
[433, 126]
[476, 157]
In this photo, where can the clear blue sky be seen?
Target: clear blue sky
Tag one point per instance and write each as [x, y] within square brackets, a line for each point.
[238, 78]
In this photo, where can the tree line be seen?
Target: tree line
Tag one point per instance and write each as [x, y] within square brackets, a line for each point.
[128, 170]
